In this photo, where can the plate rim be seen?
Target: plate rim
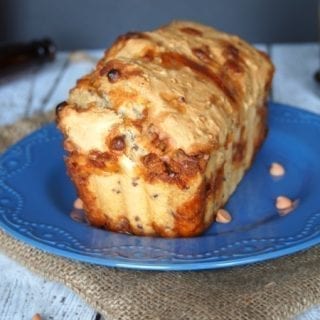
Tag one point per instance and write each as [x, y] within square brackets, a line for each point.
[177, 266]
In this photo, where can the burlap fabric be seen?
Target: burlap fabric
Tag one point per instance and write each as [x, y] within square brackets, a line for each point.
[278, 289]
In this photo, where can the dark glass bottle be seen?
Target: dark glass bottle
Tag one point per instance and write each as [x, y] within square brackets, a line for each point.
[17, 56]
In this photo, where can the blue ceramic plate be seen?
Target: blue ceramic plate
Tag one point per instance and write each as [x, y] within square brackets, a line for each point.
[36, 197]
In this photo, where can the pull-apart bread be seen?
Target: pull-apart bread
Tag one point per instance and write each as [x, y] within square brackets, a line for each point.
[160, 133]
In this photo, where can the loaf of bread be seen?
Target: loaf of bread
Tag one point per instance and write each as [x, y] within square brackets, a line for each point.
[160, 133]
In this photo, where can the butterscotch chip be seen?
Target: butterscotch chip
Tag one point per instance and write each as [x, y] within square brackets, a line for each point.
[36, 317]
[287, 204]
[276, 169]
[78, 204]
[283, 203]
[223, 216]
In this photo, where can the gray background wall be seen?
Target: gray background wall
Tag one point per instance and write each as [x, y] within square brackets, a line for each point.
[77, 24]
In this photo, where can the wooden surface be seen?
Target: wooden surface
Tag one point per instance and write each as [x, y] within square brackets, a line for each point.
[22, 294]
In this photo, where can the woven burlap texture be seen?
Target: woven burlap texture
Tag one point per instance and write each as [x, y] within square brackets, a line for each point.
[278, 289]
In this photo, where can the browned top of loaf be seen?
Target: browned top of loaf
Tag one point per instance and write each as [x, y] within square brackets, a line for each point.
[183, 85]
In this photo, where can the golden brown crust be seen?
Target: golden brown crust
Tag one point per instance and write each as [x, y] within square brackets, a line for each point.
[179, 169]
[189, 216]
[191, 31]
[162, 131]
